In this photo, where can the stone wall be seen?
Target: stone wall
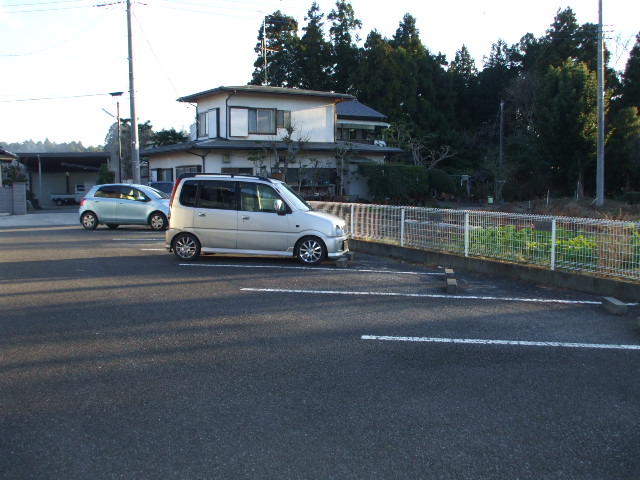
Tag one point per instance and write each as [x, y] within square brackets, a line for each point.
[13, 199]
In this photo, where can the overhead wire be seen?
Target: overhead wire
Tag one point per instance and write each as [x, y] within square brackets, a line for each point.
[51, 47]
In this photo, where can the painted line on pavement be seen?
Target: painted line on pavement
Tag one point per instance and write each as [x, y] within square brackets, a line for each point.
[342, 270]
[425, 295]
[137, 239]
[521, 343]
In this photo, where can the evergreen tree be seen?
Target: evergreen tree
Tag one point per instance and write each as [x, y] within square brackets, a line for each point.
[631, 78]
[314, 54]
[281, 44]
[344, 44]
[566, 123]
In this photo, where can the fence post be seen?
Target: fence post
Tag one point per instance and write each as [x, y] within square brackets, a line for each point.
[351, 227]
[402, 228]
[553, 244]
[466, 234]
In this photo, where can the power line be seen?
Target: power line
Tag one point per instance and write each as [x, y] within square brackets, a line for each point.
[51, 47]
[61, 8]
[54, 98]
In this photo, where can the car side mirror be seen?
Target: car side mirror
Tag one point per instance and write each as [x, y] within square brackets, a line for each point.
[281, 207]
[142, 198]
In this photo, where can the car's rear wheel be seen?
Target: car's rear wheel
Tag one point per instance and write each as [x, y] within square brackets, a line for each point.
[186, 247]
[310, 251]
[89, 220]
[112, 225]
[158, 221]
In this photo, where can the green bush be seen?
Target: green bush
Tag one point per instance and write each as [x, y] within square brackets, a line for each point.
[396, 183]
[440, 181]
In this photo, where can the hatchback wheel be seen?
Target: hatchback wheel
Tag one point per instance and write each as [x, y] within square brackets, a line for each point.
[158, 221]
[89, 220]
[186, 247]
[310, 251]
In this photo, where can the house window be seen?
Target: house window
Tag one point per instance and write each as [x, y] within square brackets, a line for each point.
[284, 119]
[162, 174]
[237, 171]
[203, 124]
[188, 169]
[262, 120]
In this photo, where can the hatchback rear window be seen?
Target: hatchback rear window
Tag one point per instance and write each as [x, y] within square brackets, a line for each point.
[188, 193]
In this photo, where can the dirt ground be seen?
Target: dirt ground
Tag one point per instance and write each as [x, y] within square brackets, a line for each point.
[565, 207]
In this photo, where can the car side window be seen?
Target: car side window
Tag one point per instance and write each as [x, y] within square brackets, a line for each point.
[218, 195]
[267, 197]
[188, 193]
[108, 192]
[130, 193]
[256, 197]
[249, 197]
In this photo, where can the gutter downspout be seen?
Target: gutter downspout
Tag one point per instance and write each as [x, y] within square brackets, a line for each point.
[228, 115]
[201, 156]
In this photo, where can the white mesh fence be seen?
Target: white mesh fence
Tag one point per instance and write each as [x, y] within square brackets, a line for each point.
[601, 247]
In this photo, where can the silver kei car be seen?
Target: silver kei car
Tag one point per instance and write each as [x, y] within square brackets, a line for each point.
[124, 204]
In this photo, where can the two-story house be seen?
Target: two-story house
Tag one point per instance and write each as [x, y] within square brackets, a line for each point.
[281, 132]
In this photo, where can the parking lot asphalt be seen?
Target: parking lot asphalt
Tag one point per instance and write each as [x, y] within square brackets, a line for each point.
[66, 216]
[119, 361]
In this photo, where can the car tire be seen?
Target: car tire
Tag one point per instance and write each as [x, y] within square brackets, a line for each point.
[59, 202]
[112, 225]
[89, 220]
[186, 247]
[157, 221]
[310, 250]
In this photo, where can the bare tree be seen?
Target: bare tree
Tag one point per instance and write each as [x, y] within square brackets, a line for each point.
[420, 147]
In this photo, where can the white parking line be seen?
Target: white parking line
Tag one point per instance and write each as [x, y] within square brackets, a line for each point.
[522, 343]
[425, 295]
[343, 270]
[138, 239]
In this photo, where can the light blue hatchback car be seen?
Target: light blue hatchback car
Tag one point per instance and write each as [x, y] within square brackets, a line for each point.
[124, 204]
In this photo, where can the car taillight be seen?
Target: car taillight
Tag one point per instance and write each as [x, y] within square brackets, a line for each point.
[173, 192]
[82, 202]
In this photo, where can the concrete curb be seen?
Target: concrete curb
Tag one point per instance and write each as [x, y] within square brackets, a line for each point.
[584, 283]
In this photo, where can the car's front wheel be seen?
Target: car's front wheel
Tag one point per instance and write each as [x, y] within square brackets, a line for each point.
[158, 221]
[186, 247]
[89, 220]
[310, 251]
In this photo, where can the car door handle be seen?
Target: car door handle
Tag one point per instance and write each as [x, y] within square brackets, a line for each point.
[202, 214]
[246, 217]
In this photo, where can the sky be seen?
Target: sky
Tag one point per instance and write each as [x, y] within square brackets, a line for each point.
[61, 59]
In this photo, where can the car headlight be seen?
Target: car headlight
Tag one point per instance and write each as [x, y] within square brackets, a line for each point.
[339, 230]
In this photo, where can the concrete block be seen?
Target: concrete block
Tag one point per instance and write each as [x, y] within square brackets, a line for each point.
[342, 262]
[615, 306]
[449, 272]
[452, 285]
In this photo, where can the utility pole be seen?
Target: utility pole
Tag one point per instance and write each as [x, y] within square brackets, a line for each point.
[500, 151]
[135, 149]
[118, 94]
[600, 148]
[264, 48]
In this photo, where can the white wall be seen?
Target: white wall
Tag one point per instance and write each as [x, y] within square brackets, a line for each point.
[312, 117]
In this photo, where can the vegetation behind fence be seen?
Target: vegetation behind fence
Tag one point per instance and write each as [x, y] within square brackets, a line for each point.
[599, 247]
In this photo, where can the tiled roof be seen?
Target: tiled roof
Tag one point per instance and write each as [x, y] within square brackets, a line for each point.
[355, 110]
[257, 89]
[248, 145]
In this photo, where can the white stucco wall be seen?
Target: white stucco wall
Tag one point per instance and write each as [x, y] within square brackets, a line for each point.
[312, 117]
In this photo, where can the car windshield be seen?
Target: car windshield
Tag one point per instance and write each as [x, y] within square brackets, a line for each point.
[155, 193]
[293, 197]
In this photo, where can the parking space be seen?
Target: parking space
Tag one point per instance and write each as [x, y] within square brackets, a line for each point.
[135, 364]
